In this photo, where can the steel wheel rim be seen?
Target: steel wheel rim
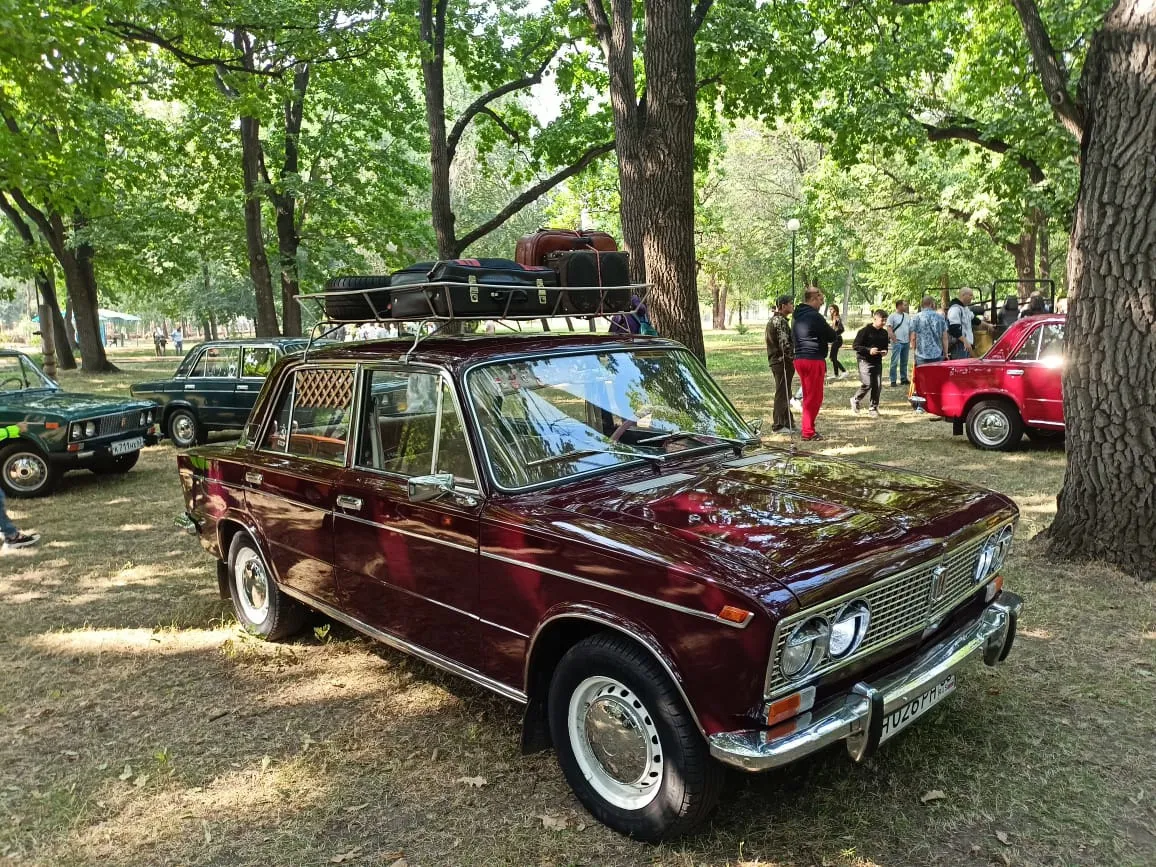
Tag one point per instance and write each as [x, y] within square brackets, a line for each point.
[252, 585]
[184, 429]
[26, 472]
[992, 427]
[615, 742]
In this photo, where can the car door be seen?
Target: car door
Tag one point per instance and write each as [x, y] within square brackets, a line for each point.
[210, 384]
[292, 478]
[1013, 373]
[257, 361]
[1043, 394]
[411, 568]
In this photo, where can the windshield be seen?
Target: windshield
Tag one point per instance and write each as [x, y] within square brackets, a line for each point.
[548, 419]
[18, 373]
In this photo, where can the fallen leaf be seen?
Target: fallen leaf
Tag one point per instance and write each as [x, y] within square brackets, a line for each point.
[265, 762]
[472, 782]
[976, 848]
[217, 714]
[1003, 837]
[140, 780]
[351, 855]
[72, 754]
[434, 756]
[933, 795]
[205, 829]
[126, 773]
[1006, 860]
[554, 823]
[400, 862]
[357, 807]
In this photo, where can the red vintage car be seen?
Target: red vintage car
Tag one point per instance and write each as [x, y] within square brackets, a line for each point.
[1015, 388]
[586, 525]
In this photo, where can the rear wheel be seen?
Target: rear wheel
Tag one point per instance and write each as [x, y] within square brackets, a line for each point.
[260, 605]
[116, 465]
[184, 429]
[26, 472]
[627, 744]
[994, 425]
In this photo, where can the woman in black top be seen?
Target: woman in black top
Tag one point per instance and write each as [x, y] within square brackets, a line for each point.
[837, 369]
[871, 344]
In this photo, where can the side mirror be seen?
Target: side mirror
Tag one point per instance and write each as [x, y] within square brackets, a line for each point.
[424, 488]
[756, 425]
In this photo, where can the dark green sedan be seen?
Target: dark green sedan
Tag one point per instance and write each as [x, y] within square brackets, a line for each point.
[215, 386]
[66, 431]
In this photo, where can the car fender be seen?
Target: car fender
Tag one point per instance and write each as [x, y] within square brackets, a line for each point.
[988, 394]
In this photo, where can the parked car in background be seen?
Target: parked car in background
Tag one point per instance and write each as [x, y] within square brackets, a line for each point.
[586, 525]
[66, 431]
[215, 386]
[1015, 388]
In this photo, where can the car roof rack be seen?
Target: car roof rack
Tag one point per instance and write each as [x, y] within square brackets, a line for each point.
[437, 296]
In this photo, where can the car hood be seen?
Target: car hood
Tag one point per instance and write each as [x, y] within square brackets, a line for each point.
[70, 404]
[819, 526]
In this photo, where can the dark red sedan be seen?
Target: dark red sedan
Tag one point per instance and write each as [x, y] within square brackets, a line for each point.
[1015, 388]
[586, 525]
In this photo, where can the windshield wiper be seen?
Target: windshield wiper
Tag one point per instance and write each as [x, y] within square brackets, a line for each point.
[656, 460]
[737, 444]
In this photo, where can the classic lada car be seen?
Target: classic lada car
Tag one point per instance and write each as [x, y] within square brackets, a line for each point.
[215, 386]
[586, 525]
[1014, 389]
[66, 430]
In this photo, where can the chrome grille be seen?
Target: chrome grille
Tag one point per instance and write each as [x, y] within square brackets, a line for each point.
[900, 606]
[121, 422]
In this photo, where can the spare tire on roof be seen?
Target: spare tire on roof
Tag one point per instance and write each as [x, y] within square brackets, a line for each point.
[356, 307]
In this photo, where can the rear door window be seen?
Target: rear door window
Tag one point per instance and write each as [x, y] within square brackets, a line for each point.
[313, 415]
[257, 361]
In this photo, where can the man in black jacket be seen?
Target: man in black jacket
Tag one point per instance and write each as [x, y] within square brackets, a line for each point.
[812, 336]
[871, 344]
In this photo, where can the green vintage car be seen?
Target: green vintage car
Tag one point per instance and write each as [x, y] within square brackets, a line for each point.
[66, 431]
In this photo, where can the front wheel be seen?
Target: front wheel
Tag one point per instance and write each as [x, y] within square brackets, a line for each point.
[261, 607]
[994, 425]
[627, 744]
[114, 466]
[184, 429]
[26, 472]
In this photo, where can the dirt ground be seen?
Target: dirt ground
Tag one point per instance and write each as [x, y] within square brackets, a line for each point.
[140, 726]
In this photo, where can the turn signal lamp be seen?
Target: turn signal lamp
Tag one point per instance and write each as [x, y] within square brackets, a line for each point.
[731, 614]
[790, 706]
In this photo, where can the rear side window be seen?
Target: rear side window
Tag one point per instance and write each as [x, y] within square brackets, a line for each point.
[313, 414]
[216, 362]
[257, 361]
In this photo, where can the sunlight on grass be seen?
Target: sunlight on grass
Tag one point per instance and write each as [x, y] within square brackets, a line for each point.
[96, 641]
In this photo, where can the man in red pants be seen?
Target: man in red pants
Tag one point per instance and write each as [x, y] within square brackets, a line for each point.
[813, 338]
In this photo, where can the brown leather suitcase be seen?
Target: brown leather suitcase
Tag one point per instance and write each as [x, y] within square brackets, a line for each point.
[533, 249]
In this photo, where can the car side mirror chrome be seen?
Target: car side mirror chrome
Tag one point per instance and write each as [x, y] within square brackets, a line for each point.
[425, 488]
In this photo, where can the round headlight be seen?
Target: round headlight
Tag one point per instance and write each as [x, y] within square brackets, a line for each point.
[1003, 547]
[804, 647]
[90, 429]
[848, 628]
[142, 419]
[76, 432]
[151, 416]
[983, 565]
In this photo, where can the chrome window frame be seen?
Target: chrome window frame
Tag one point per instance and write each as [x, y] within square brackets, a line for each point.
[587, 350]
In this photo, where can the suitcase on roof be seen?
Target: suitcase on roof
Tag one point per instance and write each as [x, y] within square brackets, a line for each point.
[478, 288]
[533, 249]
[589, 268]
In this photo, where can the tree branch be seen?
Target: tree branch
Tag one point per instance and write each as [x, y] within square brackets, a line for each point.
[528, 196]
[1050, 65]
[597, 13]
[966, 129]
[18, 222]
[700, 13]
[478, 105]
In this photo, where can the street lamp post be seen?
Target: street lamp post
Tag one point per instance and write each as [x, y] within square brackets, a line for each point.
[792, 227]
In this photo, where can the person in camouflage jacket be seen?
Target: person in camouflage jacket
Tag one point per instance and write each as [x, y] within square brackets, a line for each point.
[12, 537]
[781, 358]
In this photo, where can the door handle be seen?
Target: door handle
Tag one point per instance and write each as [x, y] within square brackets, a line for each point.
[353, 504]
[190, 388]
[242, 388]
[1015, 373]
[254, 478]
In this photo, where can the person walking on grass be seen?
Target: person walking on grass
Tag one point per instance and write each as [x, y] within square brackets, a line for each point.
[870, 346]
[12, 537]
[781, 358]
[838, 371]
[813, 337]
[899, 331]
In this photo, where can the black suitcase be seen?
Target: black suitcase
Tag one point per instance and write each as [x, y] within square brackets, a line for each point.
[582, 268]
[418, 272]
[485, 288]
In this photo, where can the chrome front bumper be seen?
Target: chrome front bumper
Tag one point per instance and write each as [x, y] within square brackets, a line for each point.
[857, 717]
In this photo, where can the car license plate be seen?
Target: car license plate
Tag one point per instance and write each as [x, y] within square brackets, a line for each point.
[901, 718]
[123, 447]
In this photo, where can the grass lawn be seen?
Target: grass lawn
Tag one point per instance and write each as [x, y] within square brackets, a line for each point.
[140, 726]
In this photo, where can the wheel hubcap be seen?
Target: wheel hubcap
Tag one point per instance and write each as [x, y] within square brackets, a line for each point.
[184, 430]
[615, 742]
[992, 427]
[26, 472]
[252, 586]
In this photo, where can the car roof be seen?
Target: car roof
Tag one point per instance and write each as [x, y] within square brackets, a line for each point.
[464, 349]
[248, 341]
[12, 352]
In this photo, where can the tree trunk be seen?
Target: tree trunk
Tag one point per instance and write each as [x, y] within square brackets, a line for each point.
[80, 278]
[285, 203]
[1107, 507]
[70, 322]
[259, 271]
[1024, 254]
[668, 172]
[46, 287]
[847, 284]
[1042, 250]
[432, 18]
